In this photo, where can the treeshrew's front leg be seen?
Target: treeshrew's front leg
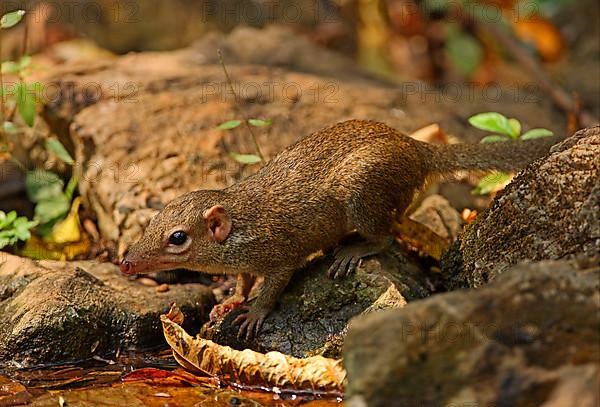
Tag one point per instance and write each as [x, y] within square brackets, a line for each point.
[250, 322]
[243, 286]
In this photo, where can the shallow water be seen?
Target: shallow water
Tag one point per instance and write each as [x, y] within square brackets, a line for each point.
[136, 379]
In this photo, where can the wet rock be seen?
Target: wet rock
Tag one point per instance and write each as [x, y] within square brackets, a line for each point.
[312, 313]
[551, 210]
[55, 311]
[529, 337]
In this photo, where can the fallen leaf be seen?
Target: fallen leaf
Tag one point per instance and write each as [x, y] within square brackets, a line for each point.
[468, 215]
[254, 368]
[420, 237]
[69, 229]
[543, 35]
[431, 134]
[165, 377]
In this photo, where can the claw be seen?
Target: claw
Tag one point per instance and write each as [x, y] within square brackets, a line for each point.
[332, 271]
[348, 258]
[250, 324]
[353, 264]
[342, 266]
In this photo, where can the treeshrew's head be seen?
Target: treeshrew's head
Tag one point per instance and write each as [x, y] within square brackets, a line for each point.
[187, 233]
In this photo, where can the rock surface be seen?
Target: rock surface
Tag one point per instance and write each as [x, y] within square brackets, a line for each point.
[55, 311]
[312, 314]
[529, 337]
[551, 210]
[143, 126]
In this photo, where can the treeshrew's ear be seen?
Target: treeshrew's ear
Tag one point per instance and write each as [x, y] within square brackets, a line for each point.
[218, 222]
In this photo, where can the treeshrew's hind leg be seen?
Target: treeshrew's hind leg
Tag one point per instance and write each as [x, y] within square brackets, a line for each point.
[348, 257]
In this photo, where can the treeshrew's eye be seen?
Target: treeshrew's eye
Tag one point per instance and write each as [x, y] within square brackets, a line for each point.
[177, 238]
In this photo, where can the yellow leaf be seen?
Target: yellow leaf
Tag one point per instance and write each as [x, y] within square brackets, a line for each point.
[35, 248]
[69, 229]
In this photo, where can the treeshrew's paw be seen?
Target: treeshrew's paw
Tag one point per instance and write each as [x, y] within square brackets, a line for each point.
[344, 264]
[220, 310]
[250, 323]
[347, 258]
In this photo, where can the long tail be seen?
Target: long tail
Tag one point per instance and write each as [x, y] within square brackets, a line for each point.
[502, 156]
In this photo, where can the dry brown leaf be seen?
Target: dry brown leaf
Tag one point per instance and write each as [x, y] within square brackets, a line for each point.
[432, 133]
[468, 215]
[421, 237]
[272, 369]
[543, 34]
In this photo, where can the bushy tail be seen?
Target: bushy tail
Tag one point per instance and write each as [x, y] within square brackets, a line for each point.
[502, 156]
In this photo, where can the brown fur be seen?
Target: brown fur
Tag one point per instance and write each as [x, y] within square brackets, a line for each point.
[353, 176]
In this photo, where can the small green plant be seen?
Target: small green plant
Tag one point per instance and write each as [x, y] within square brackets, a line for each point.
[23, 96]
[48, 191]
[14, 228]
[506, 130]
[232, 124]
[249, 123]
[44, 188]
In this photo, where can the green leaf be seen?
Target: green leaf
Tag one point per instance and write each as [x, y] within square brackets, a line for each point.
[10, 67]
[492, 183]
[7, 219]
[71, 185]
[13, 228]
[515, 126]
[43, 185]
[24, 62]
[464, 51]
[245, 158]
[22, 234]
[536, 133]
[52, 209]
[492, 121]
[11, 19]
[11, 217]
[21, 228]
[46, 189]
[260, 122]
[4, 241]
[494, 139]
[59, 150]
[231, 124]
[26, 103]
[14, 67]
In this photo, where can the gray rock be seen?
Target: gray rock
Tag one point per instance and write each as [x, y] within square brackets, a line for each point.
[54, 311]
[551, 210]
[529, 337]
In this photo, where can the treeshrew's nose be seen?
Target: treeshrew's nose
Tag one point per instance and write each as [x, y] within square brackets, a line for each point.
[126, 266]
